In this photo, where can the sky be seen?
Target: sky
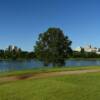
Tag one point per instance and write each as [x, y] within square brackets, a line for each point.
[21, 21]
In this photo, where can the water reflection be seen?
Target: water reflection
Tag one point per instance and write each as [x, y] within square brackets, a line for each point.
[28, 64]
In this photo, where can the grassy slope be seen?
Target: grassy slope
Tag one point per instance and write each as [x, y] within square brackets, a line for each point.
[47, 70]
[70, 87]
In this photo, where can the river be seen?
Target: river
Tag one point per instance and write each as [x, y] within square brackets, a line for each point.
[9, 65]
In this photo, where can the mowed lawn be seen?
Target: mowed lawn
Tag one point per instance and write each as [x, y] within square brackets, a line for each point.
[69, 87]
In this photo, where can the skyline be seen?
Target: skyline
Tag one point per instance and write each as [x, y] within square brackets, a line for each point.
[21, 21]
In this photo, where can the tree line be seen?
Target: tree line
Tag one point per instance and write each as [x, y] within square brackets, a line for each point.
[84, 55]
[16, 55]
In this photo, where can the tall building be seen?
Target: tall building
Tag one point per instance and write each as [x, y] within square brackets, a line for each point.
[13, 48]
[9, 48]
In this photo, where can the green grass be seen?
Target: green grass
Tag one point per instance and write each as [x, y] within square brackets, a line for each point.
[70, 87]
[47, 70]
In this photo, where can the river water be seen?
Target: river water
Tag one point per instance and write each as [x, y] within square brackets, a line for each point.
[6, 65]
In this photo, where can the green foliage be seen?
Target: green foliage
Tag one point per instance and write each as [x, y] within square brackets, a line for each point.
[83, 54]
[1, 54]
[15, 55]
[53, 47]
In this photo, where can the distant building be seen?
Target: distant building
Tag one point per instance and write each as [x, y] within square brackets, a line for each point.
[78, 49]
[9, 48]
[88, 48]
[98, 51]
[13, 48]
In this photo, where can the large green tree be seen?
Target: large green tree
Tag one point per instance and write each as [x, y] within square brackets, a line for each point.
[53, 47]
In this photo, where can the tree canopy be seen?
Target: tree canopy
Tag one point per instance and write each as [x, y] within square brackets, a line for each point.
[53, 47]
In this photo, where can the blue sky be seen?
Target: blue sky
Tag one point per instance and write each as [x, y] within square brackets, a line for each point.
[22, 20]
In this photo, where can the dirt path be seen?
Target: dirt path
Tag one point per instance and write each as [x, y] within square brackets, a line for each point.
[44, 75]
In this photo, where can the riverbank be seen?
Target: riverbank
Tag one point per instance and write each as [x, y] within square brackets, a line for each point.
[83, 59]
[44, 74]
[46, 70]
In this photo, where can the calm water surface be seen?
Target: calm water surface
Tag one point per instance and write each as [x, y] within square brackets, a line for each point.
[28, 64]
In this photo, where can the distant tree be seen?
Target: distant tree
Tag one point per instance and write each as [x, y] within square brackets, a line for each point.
[1, 54]
[31, 55]
[53, 47]
[82, 50]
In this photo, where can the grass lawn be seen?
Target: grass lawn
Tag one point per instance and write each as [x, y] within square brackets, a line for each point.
[69, 87]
